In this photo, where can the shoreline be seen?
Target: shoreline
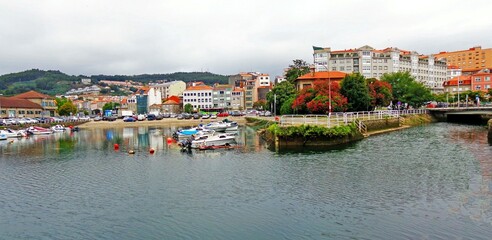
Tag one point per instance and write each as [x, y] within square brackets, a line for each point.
[165, 122]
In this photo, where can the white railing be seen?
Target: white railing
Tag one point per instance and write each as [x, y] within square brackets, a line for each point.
[343, 118]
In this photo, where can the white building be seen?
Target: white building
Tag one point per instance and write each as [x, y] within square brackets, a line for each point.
[174, 88]
[372, 63]
[199, 96]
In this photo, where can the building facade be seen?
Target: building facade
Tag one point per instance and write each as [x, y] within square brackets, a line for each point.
[222, 96]
[47, 102]
[174, 88]
[481, 81]
[18, 107]
[458, 84]
[372, 63]
[199, 96]
[472, 60]
[307, 80]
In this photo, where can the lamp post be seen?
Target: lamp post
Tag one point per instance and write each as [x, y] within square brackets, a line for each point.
[274, 105]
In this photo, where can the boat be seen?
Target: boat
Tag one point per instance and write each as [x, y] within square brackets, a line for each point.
[223, 126]
[3, 136]
[215, 140]
[13, 133]
[58, 128]
[226, 146]
[192, 132]
[38, 131]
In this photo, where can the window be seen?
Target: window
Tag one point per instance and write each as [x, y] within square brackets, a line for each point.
[487, 86]
[375, 68]
[477, 87]
[477, 79]
[380, 67]
[385, 67]
[342, 68]
[487, 78]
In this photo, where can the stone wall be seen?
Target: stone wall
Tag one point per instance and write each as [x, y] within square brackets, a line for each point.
[381, 124]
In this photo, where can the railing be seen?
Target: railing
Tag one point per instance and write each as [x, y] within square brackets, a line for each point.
[361, 126]
[343, 118]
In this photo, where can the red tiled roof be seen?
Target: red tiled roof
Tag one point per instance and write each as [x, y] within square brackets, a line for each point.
[33, 95]
[173, 98]
[322, 75]
[197, 88]
[465, 80]
[13, 102]
[170, 102]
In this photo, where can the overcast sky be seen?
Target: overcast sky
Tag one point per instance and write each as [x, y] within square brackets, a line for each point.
[223, 36]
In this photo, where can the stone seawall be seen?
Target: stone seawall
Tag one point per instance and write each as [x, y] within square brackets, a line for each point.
[490, 130]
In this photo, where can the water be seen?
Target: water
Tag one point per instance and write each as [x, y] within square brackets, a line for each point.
[421, 183]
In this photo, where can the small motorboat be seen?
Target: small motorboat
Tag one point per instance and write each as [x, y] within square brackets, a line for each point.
[39, 131]
[13, 133]
[191, 132]
[58, 128]
[215, 140]
[3, 136]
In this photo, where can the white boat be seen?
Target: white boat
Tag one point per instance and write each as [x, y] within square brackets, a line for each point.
[58, 128]
[222, 126]
[13, 133]
[215, 140]
[191, 132]
[39, 131]
[3, 136]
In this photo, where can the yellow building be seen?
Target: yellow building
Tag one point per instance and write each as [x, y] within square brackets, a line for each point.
[473, 59]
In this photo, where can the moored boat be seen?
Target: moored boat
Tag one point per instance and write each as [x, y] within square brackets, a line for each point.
[216, 140]
[58, 128]
[13, 133]
[38, 131]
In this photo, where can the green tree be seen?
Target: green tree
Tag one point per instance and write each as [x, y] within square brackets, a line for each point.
[286, 107]
[260, 104]
[110, 106]
[61, 101]
[406, 89]
[297, 69]
[279, 94]
[67, 108]
[188, 108]
[355, 89]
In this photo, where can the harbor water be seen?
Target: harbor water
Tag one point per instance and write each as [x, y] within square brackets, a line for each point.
[428, 182]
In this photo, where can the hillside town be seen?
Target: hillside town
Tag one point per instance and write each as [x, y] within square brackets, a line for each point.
[442, 73]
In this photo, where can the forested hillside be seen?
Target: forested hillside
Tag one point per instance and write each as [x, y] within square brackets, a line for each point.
[54, 82]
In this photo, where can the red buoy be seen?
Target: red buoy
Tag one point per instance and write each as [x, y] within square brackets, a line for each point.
[151, 150]
[116, 146]
[169, 140]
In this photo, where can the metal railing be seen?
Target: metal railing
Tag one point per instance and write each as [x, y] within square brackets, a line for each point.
[344, 118]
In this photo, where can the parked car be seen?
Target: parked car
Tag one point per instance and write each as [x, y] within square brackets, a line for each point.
[223, 114]
[97, 118]
[196, 116]
[180, 116]
[213, 116]
[206, 116]
[129, 119]
[140, 117]
[151, 117]
[159, 117]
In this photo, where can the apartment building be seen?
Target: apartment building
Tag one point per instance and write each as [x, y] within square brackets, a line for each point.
[255, 86]
[458, 84]
[472, 60]
[168, 89]
[237, 99]
[373, 63]
[147, 96]
[222, 96]
[199, 96]
[481, 81]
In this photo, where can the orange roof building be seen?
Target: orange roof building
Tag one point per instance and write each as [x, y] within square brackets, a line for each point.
[472, 60]
[457, 84]
[308, 79]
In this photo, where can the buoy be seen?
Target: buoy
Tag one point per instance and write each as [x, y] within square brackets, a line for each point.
[151, 150]
[116, 146]
[131, 152]
[169, 140]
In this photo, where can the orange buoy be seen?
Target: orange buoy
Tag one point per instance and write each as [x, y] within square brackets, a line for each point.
[151, 150]
[169, 140]
[116, 146]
